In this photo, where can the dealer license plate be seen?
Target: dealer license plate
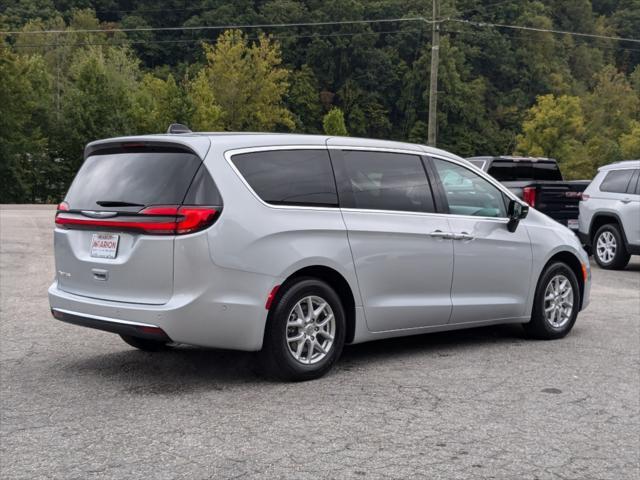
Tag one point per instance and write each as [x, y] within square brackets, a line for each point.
[104, 245]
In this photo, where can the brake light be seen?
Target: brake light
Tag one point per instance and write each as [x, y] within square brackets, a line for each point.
[154, 220]
[63, 207]
[529, 196]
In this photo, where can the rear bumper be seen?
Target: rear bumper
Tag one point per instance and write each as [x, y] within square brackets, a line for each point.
[121, 327]
[216, 317]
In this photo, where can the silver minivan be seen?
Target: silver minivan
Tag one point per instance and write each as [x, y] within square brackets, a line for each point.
[295, 245]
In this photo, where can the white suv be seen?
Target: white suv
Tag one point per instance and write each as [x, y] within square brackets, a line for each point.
[610, 214]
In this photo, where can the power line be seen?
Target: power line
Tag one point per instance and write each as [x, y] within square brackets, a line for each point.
[219, 27]
[544, 30]
[599, 47]
[311, 24]
[198, 40]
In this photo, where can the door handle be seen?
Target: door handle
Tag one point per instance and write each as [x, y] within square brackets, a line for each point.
[626, 200]
[441, 234]
[463, 236]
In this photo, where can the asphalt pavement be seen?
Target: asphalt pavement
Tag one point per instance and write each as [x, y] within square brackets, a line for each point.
[482, 403]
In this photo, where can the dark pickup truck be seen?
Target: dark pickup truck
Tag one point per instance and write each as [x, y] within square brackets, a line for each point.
[539, 182]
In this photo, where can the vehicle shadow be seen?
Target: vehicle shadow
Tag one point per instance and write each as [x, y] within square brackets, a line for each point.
[185, 369]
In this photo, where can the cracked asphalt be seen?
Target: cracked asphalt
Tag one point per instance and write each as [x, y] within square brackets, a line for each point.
[482, 403]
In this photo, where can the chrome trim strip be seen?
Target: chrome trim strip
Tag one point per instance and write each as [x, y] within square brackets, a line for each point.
[105, 319]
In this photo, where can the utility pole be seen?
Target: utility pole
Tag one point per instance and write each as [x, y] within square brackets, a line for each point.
[433, 84]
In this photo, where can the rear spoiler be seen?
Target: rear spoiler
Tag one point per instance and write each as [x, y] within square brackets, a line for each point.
[197, 144]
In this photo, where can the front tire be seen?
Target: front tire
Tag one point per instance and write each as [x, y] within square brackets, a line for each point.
[145, 344]
[556, 303]
[305, 332]
[609, 249]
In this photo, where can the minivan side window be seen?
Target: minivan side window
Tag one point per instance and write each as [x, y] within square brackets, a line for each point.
[468, 193]
[386, 181]
[616, 181]
[290, 177]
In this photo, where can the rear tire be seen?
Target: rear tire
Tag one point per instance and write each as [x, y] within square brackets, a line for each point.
[556, 303]
[305, 332]
[145, 344]
[609, 249]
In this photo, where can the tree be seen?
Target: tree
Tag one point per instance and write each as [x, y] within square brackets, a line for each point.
[247, 83]
[206, 115]
[333, 123]
[303, 100]
[610, 109]
[554, 127]
[156, 104]
[99, 102]
[27, 174]
[630, 142]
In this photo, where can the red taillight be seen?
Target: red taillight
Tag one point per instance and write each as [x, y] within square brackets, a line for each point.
[63, 207]
[529, 196]
[194, 219]
[154, 220]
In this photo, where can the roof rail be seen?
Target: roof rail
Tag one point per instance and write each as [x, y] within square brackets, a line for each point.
[178, 128]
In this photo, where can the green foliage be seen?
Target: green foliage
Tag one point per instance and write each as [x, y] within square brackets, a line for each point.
[27, 174]
[630, 142]
[586, 132]
[500, 91]
[156, 104]
[100, 99]
[242, 86]
[333, 123]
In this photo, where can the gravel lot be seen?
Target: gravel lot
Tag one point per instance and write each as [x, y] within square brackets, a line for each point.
[481, 403]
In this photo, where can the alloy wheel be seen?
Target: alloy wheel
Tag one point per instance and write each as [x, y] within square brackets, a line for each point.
[311, 329]
[558, 301]
[606, 247]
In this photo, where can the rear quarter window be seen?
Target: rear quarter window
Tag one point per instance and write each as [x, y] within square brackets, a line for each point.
[616, 181]
[290, 177]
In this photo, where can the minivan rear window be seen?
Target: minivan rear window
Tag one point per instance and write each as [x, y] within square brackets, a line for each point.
[290, 177]
[143, 178]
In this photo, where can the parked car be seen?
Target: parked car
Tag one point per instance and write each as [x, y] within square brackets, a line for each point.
[539, 182]
[295, 245]
[610, 214]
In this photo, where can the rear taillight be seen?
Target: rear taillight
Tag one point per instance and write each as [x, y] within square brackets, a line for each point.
[529, 196]
[584, 197]
[63, 207]
[154, 220]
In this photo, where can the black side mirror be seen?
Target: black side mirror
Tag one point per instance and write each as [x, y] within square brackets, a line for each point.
[516, 212]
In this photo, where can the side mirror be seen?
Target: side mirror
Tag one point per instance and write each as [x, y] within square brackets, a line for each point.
[516, 212]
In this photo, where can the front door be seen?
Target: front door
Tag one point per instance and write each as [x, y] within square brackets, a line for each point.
[492, 265]
[402, 251]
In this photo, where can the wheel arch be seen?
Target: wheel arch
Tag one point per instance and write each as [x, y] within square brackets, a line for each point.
[604, 218]
[574, 263]
[338, 282]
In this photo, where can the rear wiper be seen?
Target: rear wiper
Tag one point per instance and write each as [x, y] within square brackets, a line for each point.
[116, 203]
